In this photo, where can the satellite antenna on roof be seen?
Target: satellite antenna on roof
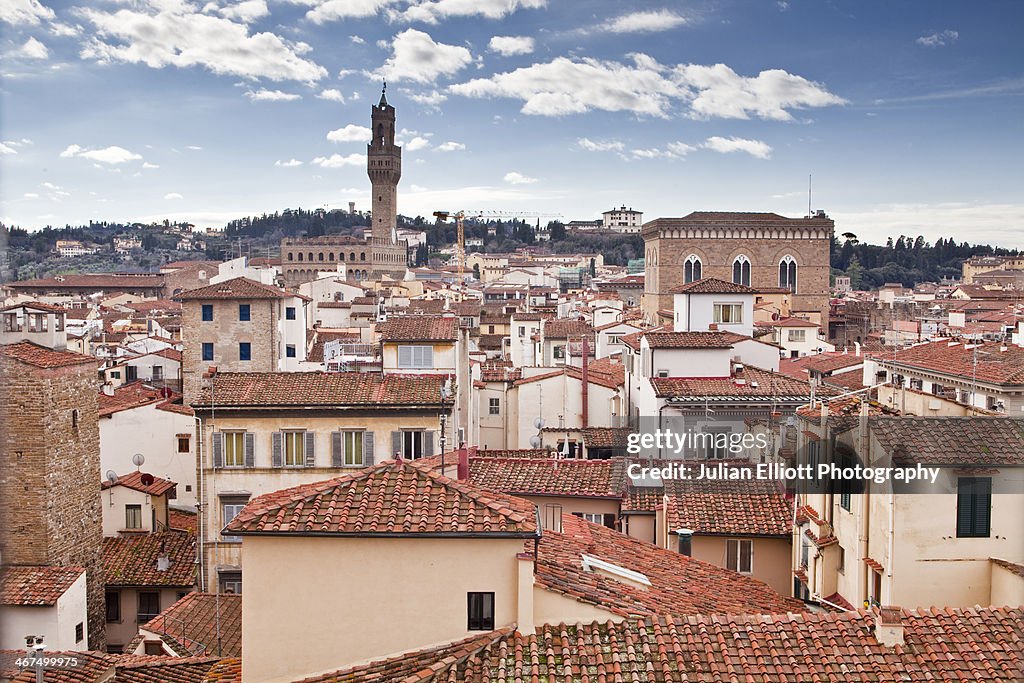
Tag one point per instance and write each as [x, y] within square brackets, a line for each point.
[147, 479]
[112, 476]
[138, 459]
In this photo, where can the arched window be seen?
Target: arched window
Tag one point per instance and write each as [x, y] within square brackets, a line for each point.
[321, 255]
[787, 273]
[362, 256]
[692, 269]
[341, 256]
[300, 255]
[330, 256]
[291, 256]
[741, 270]
[352, 256]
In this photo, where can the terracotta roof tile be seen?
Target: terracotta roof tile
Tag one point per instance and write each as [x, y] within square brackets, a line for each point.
[132, 560]
[952, 358]
[720, 507]
[238, 288]
[126, 397]
[768, 383]
[606, 437]
[560, 328]
[336, 389]
[163, 669]
[419, 328]
[688, 340]
[394, 497]
[192, 624]
[987, 441]
[43, 357]
[549, 476]
[711, 285]
[137, 482]
[36, 585]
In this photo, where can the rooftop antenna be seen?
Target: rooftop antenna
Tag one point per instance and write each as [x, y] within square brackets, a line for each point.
[809, 213]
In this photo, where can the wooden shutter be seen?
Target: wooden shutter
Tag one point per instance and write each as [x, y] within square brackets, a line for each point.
[428, 443]
[732, 555]
[396, 443]
[405, 356]
[609, 520]
[218, 450]
[337, 457]
[973, 506]
[367, 449]
[250, 449]
[310, 444]
[276, 457]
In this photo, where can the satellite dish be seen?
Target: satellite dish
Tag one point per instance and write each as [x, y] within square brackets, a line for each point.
[539, 423]
[138, 459]
[112, 476]
[535, 442]
[147, 479]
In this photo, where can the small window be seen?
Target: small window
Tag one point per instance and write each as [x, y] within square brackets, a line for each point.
[352, 444]
[797, 335]
[412, 444]
[842, 560]
[183, 444]
[113, 607]
[207, 313]
[289, 351]
[153, 647]
[728, 314]
[522, 331]
[79, 632]
[244, 312]
[115, 374]
[692, 269]
[973, 507]
[289, 313]
[149, 606]
[132, 516]
[741, 271]
[480, 607]
[74, 418]
[295, 449]
[207, 350]
[494, 406]
[244, 351]
[234, 449]
[739, 555]
[416, 357]
[230, 507]
[231, 583]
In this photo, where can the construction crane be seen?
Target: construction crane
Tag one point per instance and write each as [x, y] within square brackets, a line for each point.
[460, 217]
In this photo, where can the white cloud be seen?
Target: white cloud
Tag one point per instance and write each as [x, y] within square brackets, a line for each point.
[246, 11]
[511, 45]
[7, 149]
[173, 195]
[331, 95]
[429, 99]
[291, 163]
[24, 12]
[450, 147]
[416, 57]
[516, 178]
[645, 22]
[148, 165]
[264, 95]
[33, 49]
[756, 148]
[338, 161]
[940, 39]
[64, 30]
[31, 195]
[194, 148]
[350, 133]
[680, 149]
[646, 87]
[106, 155]
[430, 11]
[416, 144]
[49, 185]
[673, 150]
[357, 40]
[783, 5]
[333, 10]
[599, 146]
[161, 33]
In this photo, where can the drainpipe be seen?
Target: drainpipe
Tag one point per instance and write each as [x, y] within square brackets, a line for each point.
[200, 508]
[585, 382]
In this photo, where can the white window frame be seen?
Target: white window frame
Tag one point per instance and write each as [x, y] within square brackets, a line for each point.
[412, 441]
[796, 335]
[734, 308]
[740, 543]
[415, 356]
[233, 443]
[494, 406]
[297, 439]
[352, 447]
[228, 512]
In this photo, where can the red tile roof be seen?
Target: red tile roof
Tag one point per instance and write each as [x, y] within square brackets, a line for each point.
[36, 306]
[987, 441]
[982, 645]
[238, 288]
[953, 358]
[688, 340]
[133, 560]
[182, 520]
[549, 476]
[823, 363]
[126, 397]
[191, 624]
[394, 497]
[679, 584]
[104, 281]
[735, 508]
[789, 322]
[560, 328]
[768, 384]
[337, 389]
[36, 585]
[135, 481]
[606, 437]
[419, 328]
[163, 669]
[711, 285]
[43, 357]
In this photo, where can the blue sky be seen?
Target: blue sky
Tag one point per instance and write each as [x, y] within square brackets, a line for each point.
[907, 114]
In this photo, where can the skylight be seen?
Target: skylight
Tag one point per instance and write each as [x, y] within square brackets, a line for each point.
[591, 564]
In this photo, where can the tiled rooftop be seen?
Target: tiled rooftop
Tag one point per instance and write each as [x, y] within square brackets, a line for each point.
[549, 476]
[43, 357]
[134, 481]
[688, 340]
[723, 507]
[132, 560]
[986, 441]
[396, 496]
[192, 625]
[560, 328]
[711, 285]
[338, 389]
[36, 585]
[768, 384]
[952, 358]
[419, 328]
[126, 397]
[238, 288]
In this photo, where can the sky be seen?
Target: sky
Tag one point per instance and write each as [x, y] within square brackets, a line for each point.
[906, 117]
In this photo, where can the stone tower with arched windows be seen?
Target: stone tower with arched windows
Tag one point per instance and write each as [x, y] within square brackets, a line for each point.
[782, 258]
[384, 166]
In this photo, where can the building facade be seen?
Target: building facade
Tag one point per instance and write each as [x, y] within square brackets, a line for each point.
[622, 220]
[759, 250]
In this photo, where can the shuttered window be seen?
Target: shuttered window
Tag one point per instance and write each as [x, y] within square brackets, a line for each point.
[351, 448]
[739, 555]
[415, 356]
[973, 507]
[481, 611]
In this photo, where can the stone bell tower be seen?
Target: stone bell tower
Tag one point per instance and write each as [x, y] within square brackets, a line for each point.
[384, 166]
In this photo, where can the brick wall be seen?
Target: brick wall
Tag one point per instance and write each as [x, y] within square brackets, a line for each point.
[51, 511]
[226, 332]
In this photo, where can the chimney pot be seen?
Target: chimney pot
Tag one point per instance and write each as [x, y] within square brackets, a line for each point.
[889, 629]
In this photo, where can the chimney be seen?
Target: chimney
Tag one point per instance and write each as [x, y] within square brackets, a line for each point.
[586, 382]
[463, 470]
[524, 602]
[889, 626]
[856, 347]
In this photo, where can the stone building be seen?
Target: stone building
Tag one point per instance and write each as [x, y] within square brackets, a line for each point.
[759, 250]
[50, 457]
[383, 253]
